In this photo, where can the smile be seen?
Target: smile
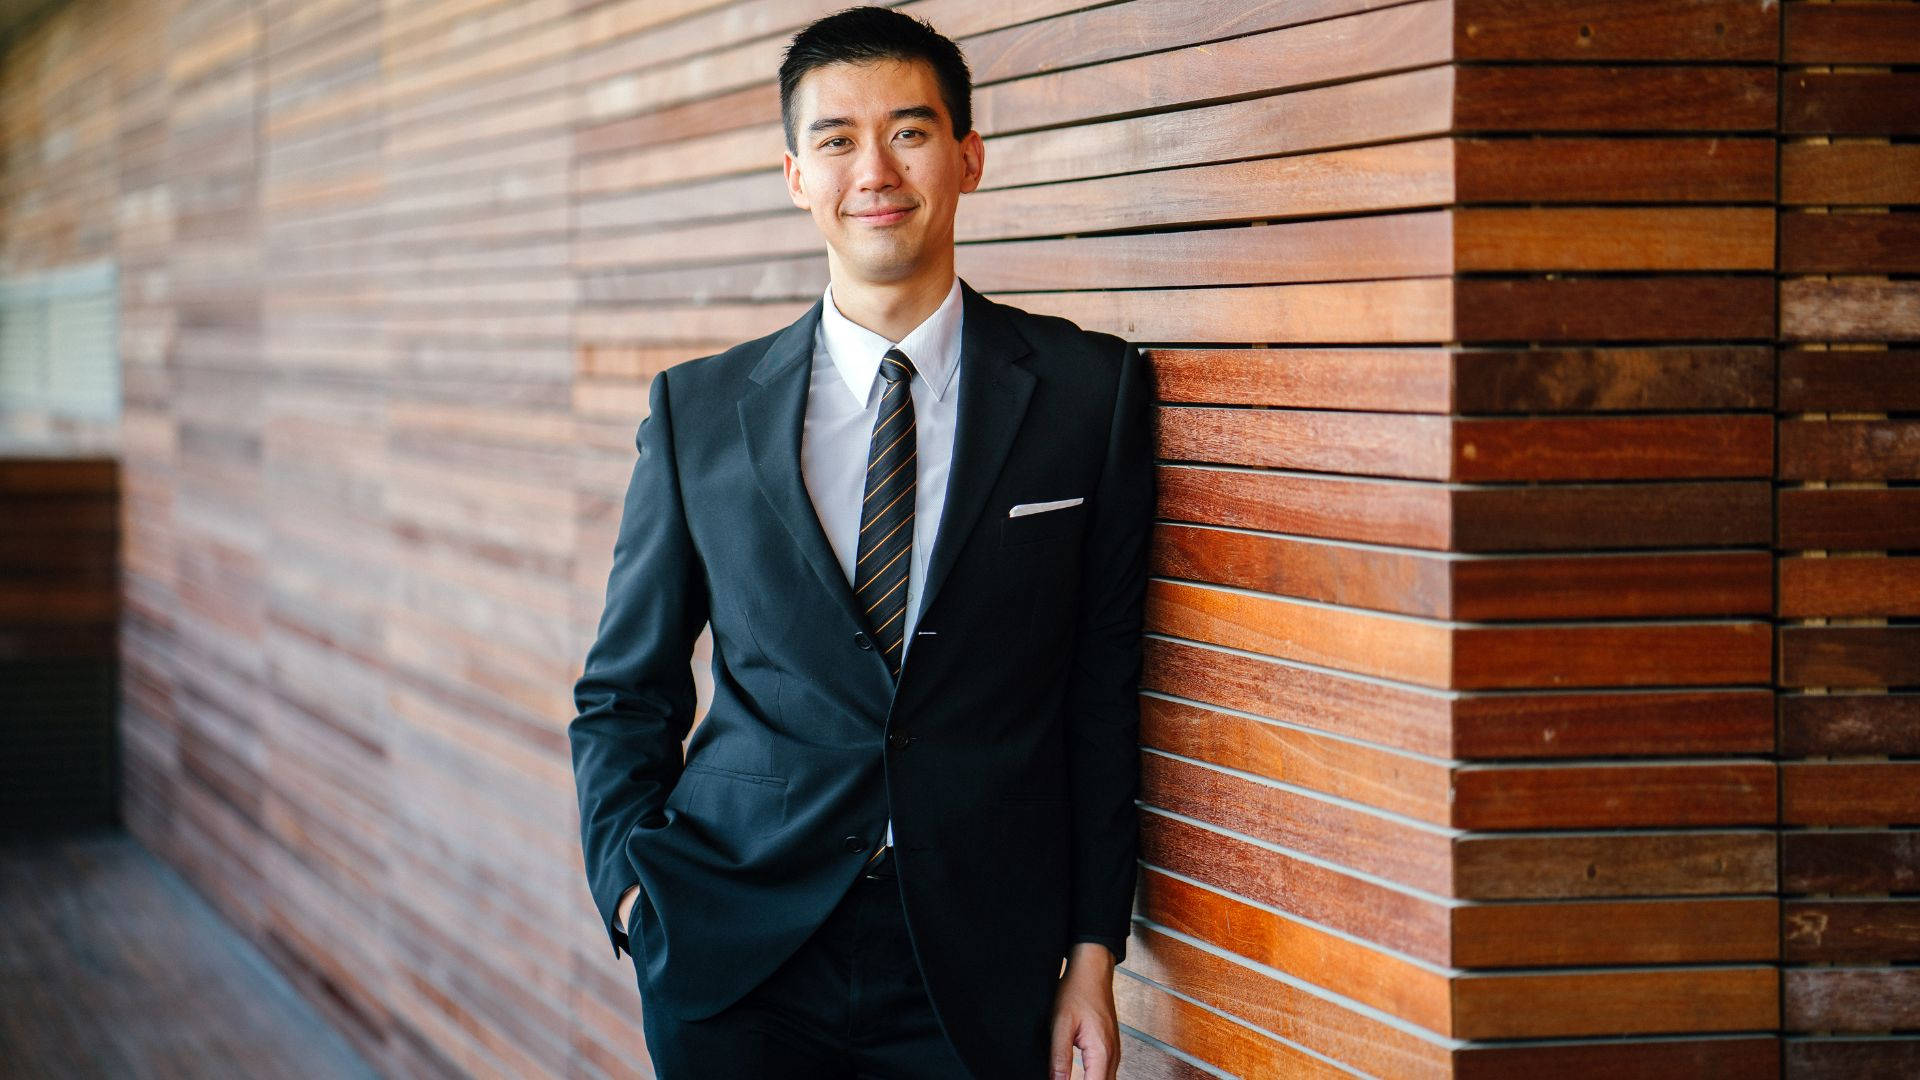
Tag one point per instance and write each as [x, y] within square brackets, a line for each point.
[886, 218]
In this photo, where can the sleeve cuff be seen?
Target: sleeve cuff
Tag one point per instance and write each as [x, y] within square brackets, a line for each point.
[1116, 946]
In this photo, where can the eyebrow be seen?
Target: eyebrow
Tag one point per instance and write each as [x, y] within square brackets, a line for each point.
[911, 112]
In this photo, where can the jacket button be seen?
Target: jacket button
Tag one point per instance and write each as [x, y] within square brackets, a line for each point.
[854, 843]
[861, 639]
[899, 740]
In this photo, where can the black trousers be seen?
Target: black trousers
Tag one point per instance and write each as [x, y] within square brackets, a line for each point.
[849, 1004]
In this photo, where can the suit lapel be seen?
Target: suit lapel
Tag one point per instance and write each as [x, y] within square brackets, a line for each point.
[993, 399]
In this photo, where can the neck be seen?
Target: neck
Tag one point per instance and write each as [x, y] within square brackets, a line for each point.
[891, 308]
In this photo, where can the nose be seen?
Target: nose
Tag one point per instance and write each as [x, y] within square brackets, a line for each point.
[875, 168]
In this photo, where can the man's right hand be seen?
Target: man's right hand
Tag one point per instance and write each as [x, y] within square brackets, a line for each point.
[626, 905]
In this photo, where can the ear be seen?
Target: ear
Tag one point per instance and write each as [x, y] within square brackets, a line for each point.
[796, 183]
[973, 156]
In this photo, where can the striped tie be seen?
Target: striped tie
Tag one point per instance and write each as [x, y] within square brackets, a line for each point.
[886, 517]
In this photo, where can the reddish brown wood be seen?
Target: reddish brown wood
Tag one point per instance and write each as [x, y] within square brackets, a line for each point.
[1628, 378]
[1849, 450]
[1850, 380]
[1614, 796]
[1849, 724]
[1856, 586]
[1850, 103]
[1850, 793]
[1849, 33]
[1850, 931]
[1594, 933]
[1611, 586]
[1323, 893]
[1616, 30]
[1600, 724]
[1378, 380]
[1614, 309]
[1395, 850]
[1608, 448]
[1848, 1059]
[1389, 39]
[1612, 516]
[1588, 169]
[1619, 864]
[1301, 758]
[1874, 861]
[1595, 238]
[1548, 98]
[1329, 1028]
[1850, 519]
[1850, 243]
[1849, 655]
[1632, 1002]
[1737, 1058]
[1375, 977]
[1330, 701]
[1854, 174]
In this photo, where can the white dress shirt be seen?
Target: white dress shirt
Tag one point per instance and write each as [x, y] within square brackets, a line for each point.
[843, 401]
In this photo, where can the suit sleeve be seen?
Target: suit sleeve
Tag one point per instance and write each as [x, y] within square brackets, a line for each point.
[1103, 694]
[635, 697]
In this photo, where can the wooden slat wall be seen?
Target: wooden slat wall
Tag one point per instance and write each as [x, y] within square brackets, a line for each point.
[1459, 715]
[1518, 390]
[1614, 247]
[1849, 539]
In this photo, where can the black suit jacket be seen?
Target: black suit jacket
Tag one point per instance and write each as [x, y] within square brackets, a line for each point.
[1007, 754]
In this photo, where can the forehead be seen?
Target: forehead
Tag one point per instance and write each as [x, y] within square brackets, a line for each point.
[867, 91]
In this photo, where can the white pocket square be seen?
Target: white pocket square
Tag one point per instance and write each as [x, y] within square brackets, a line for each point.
[1023, 509]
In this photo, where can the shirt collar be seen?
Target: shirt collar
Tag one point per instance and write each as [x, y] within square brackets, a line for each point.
[933, 346]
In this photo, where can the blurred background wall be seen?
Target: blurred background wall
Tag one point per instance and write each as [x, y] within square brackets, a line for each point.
[1533, 629]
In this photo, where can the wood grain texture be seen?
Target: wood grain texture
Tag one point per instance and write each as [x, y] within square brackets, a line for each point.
[1850, 380]
[1596, 30]
[1621, 167]
[1849, 173]
[1672, 999]
[1849, 33]
[1724, 1058]
[1574, 933]
[1850, 999]
[1858, 931]
[1531, 579]
[1835, 1057]
[1585, 865]
[1845, 591]
[1849, 724]
[1850, 861]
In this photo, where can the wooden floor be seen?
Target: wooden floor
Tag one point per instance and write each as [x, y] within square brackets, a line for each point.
[110, 966]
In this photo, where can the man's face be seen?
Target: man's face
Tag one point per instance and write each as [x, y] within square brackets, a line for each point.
[878, 167]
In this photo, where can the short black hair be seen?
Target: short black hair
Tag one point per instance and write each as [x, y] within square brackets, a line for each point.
[861, 35]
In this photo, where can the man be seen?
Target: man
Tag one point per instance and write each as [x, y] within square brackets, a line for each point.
[916, 521]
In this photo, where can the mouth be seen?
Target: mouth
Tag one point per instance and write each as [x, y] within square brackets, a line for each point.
[885, 216]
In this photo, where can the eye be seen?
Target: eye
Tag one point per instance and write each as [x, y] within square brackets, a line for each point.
[912, 131]
[830, 142]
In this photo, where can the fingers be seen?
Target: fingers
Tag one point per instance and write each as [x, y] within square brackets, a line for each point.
[1097, 1059]
[1060, 1061]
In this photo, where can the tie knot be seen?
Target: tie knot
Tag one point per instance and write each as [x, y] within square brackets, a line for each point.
[895, 366]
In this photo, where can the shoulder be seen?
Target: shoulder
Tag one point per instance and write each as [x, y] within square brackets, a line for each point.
[1055, 334]
[1090, 364]
[722, 373]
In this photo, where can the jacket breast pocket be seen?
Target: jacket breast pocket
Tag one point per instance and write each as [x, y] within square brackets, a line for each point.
[1065, 521]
